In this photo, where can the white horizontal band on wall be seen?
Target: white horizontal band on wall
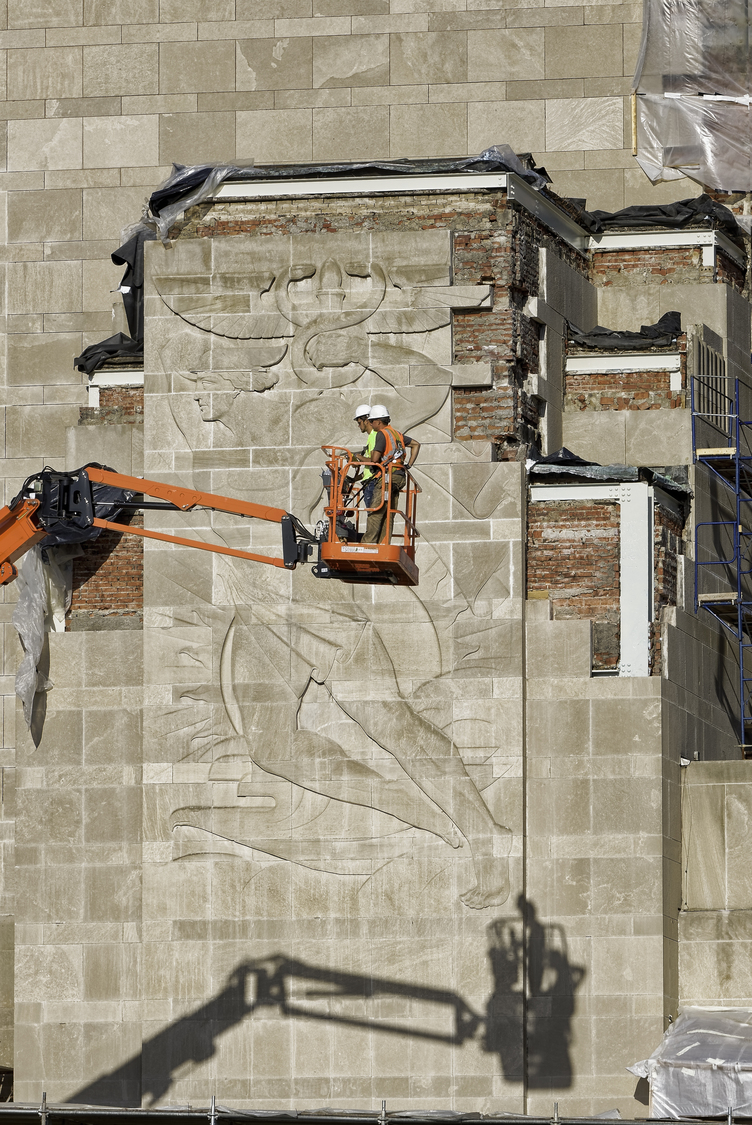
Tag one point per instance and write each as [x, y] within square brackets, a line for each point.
[127, 377]
[708, 240]
[604, 364]
[362, 185]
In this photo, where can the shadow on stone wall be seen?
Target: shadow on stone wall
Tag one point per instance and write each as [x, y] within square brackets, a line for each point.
[523, 948]
[518, 946]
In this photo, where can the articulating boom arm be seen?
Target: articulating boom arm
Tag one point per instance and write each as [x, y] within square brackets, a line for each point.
[56, 507]
[53, 503]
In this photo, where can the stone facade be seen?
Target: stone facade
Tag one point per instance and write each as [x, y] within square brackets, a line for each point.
[236, 837]
[293, 843]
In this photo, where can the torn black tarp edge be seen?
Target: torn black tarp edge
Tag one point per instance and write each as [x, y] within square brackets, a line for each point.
[131, 255]
[131, 288]
[659, 335]
[96, 355]
[700, 211]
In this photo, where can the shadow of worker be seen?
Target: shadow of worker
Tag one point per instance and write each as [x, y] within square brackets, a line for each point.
[529, 1015]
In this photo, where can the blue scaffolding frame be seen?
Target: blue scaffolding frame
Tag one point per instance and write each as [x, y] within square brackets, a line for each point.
[722, 443]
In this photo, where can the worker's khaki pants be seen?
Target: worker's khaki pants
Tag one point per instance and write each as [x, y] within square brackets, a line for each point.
[376, 527]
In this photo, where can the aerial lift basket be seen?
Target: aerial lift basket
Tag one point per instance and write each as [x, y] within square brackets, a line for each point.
[341, 551]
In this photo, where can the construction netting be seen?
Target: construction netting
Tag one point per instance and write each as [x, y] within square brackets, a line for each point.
[693, 90]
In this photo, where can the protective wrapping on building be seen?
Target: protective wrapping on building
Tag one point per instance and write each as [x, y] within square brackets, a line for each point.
[189, 185]
[45, 572]
[703, 1066]
[693, 93]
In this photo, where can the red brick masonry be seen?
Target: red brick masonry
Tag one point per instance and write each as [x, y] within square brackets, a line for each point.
[108, 579]
[573, 552]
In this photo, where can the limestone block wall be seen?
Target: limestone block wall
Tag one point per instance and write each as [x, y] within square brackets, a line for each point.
[78, 869]
[313, 755]
[371, 843]
[303, 828]
[99, 97]
[716, 922]
[603, 869]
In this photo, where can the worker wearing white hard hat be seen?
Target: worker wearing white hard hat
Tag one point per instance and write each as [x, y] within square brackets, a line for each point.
[380, 414]
[369, 479]
[389, 450]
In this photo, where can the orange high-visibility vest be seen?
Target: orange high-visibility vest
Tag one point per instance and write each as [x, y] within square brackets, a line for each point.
[394, 454]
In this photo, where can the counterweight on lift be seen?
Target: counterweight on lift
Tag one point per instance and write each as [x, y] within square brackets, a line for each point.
[55, 507]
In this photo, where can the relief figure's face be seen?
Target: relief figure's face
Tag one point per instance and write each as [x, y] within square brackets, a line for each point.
[215, 397]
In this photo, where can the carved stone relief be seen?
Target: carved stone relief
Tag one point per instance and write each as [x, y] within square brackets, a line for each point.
[340, 729]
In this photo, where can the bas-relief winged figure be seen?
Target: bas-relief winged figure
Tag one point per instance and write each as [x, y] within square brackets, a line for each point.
[350, 731]
[334, 319]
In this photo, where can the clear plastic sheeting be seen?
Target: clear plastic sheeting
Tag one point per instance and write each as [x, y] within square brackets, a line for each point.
[693, 84]
[703, 1066]
[29, 622]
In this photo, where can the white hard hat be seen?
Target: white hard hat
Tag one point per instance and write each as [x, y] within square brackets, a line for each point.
[378, 411]
[362, 411]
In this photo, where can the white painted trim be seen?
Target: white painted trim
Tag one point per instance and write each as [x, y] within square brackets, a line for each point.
[709, 240]
[128, 377]
[606, 364]
[362, 185]
[543, 209]
[635, 564]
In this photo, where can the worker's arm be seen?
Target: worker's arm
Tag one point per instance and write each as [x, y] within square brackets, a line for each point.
[414, 446]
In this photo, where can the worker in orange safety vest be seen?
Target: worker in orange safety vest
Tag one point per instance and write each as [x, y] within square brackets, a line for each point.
[389, 451]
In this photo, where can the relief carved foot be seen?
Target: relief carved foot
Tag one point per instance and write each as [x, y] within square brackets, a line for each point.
[491, 872]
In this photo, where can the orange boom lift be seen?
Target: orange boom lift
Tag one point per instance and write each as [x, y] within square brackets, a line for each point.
[66, 507]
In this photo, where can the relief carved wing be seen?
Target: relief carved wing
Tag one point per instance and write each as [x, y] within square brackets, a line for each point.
[422, 309]
[231, 305]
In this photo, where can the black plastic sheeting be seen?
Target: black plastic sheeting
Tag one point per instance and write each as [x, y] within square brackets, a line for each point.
[564, 466]
[107, 501]
[703, 213]
[185, 180]
[660, 335]
[96, 355]
[130, 255]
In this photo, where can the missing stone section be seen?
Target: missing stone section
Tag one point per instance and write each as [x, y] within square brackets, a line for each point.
[108, 581]
[574, 556]
[108, 576]
[117, 406]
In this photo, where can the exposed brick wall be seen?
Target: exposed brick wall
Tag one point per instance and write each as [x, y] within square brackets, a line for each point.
[573, 552]
[631, 390]
[728, 271]
[108, 580]
[666, 265]
[117, 406]
[626, 390]
[495, 243]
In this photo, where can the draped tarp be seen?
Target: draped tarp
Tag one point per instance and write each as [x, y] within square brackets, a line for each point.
[693, 93]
